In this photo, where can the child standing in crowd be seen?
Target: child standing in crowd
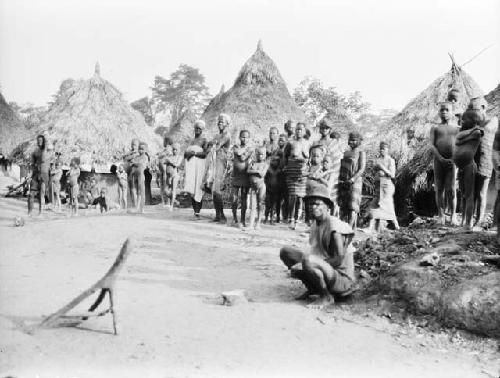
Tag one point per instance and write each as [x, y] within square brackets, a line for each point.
[382, 208]
[274, 190]
[72, 175]
[55, 180]
[162, 168]
[138, 165]
[173, 162]
[272, 145]
[122, 186]
[314, 174]
[256, 173]
[242, 156]
[351, 179]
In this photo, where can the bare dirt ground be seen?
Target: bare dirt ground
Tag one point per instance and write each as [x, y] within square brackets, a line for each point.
[172, 323]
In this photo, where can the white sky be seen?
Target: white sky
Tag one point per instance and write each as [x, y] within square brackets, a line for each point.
[389, 50]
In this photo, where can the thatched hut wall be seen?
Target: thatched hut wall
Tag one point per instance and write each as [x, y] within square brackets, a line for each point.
[12, 129]
[493, 99]
[258, 100]
[91, 120]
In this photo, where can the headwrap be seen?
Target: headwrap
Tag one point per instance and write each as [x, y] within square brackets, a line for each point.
[384, 144]
[325, 123]
[225, 117]
[355, 135]
[200, 123]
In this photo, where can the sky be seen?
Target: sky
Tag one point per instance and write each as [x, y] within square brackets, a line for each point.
[389, 50]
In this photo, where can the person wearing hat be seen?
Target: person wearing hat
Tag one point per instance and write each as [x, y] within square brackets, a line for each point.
[328, 268]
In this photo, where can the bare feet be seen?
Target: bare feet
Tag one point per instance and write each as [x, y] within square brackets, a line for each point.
[442, 220]
[303, 296]
[322, 302]
[454, 220]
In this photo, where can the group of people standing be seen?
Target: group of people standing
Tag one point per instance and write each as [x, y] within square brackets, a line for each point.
[276, 174]
[466, 147]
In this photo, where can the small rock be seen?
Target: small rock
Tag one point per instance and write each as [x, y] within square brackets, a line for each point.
[449, 248]
[364, 274]
[461, 258]
[18, 222]
[234, 297]
[431, 259]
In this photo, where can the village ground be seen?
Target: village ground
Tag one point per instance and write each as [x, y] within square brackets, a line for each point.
[172, 323]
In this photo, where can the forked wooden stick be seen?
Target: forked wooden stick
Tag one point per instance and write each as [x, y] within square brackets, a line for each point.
[105, 284]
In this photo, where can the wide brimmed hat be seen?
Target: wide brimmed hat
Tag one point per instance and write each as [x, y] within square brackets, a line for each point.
[321, 192]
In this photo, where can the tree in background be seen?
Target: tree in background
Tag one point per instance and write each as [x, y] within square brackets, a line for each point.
[318, 101]
[30, 114]
[144, 106]
[184, 93]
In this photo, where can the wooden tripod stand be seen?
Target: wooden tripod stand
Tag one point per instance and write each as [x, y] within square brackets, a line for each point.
[105, 284]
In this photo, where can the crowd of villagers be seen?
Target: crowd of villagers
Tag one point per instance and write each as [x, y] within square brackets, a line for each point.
[294, 171]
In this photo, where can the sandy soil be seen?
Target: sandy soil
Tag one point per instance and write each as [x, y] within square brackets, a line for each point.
[172, 323]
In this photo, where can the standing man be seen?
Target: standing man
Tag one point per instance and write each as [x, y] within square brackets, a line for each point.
[442, 140]
[328, 268]
[40, 164]
[483, 158]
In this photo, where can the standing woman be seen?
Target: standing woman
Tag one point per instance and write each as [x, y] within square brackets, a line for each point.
[352, 168]
[383, 204]
[195, 156]
[296, 170]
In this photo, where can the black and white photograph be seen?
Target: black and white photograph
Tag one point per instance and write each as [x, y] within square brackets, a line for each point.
[249, 188]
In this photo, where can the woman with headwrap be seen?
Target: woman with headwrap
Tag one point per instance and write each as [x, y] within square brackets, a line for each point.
[195, 157]
[382, 207]
[352, 168]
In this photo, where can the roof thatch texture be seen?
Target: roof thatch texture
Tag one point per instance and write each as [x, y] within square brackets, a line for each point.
[414, 158]
[493, 99]
[258, 100]
[90, 119]
[12, 129]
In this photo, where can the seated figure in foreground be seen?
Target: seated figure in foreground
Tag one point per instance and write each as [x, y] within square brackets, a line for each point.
[327, 268]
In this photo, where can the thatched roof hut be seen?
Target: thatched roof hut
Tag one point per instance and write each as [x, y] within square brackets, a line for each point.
[90, 119]
[493, 99]
[12, 130]
[414, 158]
[258, 99]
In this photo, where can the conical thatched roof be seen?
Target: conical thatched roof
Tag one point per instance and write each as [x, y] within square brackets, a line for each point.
[493, 99]
[258, 99]
[12, 130]
[91, 115]
[422, 112]
[415, 161]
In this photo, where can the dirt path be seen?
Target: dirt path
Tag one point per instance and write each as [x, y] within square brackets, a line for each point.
[172, 323]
